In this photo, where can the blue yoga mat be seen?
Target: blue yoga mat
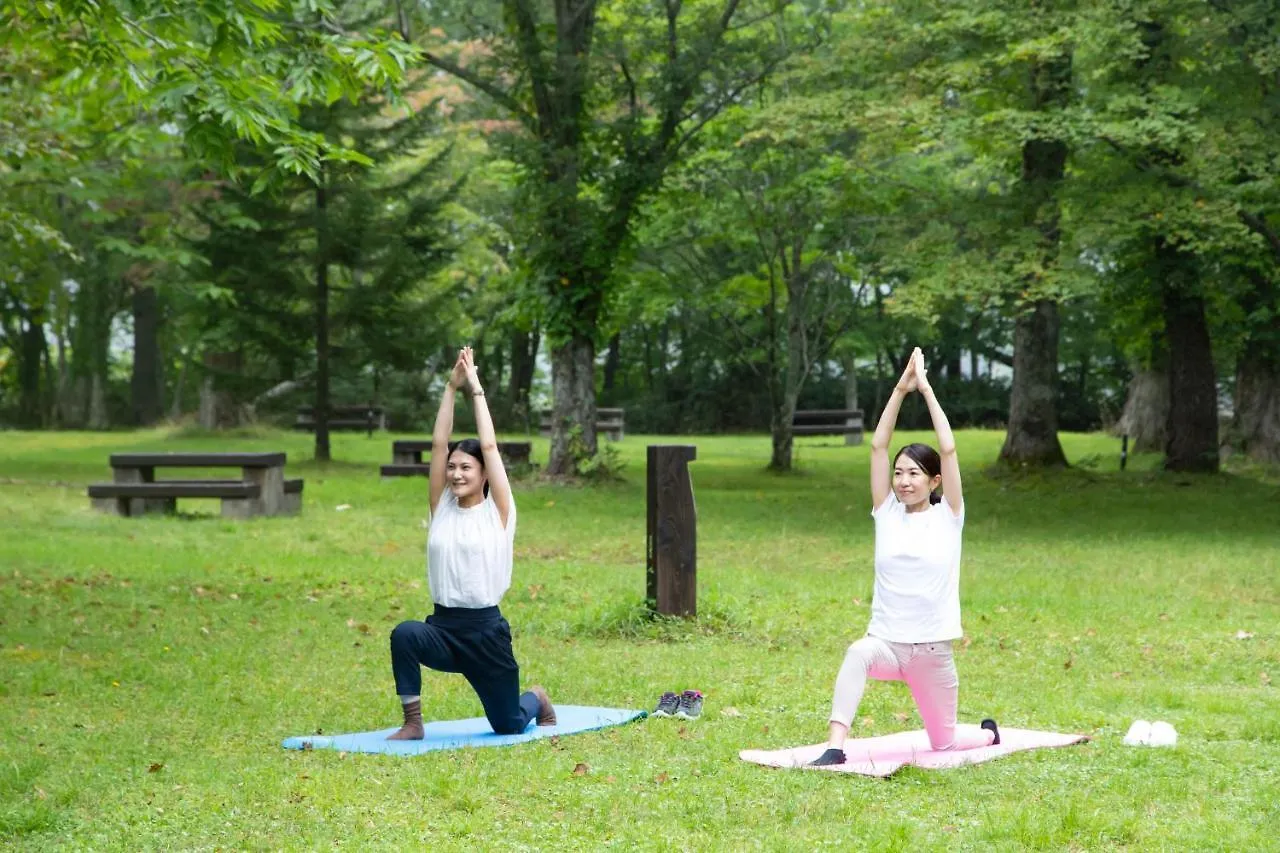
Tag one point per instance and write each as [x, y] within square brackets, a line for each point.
[475, 732]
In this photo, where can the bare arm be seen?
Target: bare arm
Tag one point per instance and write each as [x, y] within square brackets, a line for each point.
[499, 485]
[441, 432]
[880, 483]
[952, 490]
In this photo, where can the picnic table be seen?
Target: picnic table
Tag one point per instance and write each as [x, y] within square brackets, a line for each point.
[846, 422]
[406, 456]
[611, 423]
[261, 490]
[357, 418]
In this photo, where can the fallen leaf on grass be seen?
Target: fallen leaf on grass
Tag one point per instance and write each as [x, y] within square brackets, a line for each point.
[611, 779]
[1068, 663]
[868, 722]
[1244, 635]
[662, 778]
[581, 769]
[901, 717]
[730, 712]
[1266, 679]
[40, 794]
[534, 589]
[156, 767]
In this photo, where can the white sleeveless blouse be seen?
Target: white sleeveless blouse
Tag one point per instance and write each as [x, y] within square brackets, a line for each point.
[469, 553]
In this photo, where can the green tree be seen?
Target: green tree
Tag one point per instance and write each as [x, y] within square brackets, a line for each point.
[606, 96]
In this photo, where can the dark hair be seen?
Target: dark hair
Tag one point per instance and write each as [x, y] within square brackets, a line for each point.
[928, 460]
[471, 447]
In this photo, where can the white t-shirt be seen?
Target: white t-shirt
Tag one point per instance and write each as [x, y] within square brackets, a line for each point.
[917, 589]
[469, 553]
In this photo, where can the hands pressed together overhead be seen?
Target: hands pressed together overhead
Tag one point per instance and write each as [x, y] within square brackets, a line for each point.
[464, 373]
[915, 377]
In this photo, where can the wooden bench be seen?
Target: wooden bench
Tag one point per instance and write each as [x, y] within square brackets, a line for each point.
[261, 489]
[846, 422]
[406, 456]
[610, 423]
[356, 418]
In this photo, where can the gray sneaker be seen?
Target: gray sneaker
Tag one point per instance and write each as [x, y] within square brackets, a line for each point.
[690, 706]
[667, 705]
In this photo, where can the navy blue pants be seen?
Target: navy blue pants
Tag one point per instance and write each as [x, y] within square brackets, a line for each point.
[475, 643]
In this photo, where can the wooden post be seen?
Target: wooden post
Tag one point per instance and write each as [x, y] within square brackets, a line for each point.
[671, 573]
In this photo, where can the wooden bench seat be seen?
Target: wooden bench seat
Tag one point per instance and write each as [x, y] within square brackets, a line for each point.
[355, 418]
[130, 499]
[610, 423]
[846, 422]
[407, 456]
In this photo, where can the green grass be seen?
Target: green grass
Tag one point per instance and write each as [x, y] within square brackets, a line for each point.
[149, 668]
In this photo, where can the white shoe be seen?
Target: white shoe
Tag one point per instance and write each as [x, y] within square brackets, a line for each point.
[1139, 734]
[1162, 734]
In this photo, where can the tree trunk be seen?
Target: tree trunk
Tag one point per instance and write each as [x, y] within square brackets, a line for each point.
[796, 369]
[322, 330]
[1255, 428]
[146, 385]
[217, 407]
[65, 412]
[524, 360]
[612, 361]
[179, 388]
[574, 403]
[29, 385]
[1191, 437]
[1032, 436]
[1255, 425]
[851, 394]
[1146, 411]
[98, 402]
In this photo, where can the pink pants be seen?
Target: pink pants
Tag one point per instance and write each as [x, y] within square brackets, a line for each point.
[929, 669]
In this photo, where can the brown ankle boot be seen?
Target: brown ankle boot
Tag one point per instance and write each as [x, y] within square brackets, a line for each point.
[546, 711]
[412, 728]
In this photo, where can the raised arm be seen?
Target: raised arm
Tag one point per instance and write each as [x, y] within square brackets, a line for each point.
[880, 484]
[952, 490]
[441, 432]
[499, 485]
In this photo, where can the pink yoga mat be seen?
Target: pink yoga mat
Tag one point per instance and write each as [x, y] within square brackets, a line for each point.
[887, 754]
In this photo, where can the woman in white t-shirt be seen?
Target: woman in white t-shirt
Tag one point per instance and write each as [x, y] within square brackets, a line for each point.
[469, 555]
[915, 608]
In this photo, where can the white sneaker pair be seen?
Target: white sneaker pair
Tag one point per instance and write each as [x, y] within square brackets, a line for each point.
[1159, 733]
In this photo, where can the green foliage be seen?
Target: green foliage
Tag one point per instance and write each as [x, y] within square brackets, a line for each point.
[602, 466]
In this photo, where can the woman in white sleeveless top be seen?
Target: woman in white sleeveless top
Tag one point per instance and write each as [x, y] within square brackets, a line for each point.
[469, 556]
[915, 608]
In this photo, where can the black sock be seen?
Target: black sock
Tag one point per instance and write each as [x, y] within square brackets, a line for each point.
[831, 756]
[990, 725]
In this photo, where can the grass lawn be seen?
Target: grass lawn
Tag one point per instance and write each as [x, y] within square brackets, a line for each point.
[149, 668]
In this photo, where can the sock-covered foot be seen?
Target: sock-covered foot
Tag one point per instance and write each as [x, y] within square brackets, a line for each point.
[990, 725]
[546, 711]
[831, 756]
[412, 728]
